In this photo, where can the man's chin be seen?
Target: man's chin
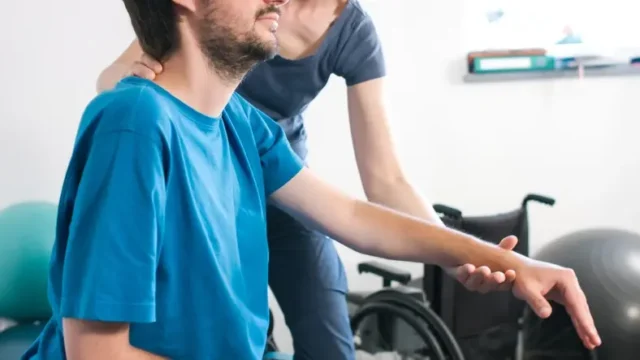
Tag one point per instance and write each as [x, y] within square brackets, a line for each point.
[272, 52]
[271, 47]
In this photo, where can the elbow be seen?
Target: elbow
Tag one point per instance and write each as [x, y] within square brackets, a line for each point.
[379, 189]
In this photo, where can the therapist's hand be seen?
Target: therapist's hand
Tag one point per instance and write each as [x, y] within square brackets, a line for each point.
[479, 278]
[146, 68]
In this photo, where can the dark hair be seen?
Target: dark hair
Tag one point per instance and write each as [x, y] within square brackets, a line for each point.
[155, 23]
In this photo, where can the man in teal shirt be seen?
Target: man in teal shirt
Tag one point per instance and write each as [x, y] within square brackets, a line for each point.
[161, 248]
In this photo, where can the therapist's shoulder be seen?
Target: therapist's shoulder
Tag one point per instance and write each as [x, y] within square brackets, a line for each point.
[133, 105]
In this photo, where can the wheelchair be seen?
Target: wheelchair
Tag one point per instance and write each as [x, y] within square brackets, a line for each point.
[435, 317]
[398, 320]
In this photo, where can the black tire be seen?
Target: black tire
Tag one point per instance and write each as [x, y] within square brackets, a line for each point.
[417, 314]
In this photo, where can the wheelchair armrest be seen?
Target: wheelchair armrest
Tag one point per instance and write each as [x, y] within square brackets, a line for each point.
[447, 211]
[386, 272]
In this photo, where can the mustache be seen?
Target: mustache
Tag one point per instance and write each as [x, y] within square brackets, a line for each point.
[269, 10]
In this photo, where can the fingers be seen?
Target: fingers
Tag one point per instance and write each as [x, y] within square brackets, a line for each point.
[483, 280]
[151, 63]
[509, 243]
[537, 302]
[578, 309]
[464, 272]
[146, 68]
[477, 278]
[509, 278]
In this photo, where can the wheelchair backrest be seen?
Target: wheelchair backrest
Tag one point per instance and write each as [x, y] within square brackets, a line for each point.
[468, 313]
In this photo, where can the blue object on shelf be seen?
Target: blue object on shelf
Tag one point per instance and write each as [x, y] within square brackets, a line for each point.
[494, 15]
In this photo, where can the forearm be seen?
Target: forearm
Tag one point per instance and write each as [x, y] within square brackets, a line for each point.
[403, 197]
[383, 232]
[100, 341]
[110, 76]
[379, 231]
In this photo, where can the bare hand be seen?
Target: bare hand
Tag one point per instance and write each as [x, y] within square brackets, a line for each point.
[146, 68]
[539, 282]
[481, 279]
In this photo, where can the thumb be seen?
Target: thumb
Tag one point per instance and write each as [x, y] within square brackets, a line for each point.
[508, 243]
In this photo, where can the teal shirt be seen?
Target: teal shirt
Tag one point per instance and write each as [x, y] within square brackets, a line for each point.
[162, 224]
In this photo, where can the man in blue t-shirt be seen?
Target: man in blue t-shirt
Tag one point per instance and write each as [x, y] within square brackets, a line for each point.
[161, 246]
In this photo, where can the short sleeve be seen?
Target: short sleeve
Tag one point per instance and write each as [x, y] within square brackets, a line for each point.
[360, 57]
[279, 162]
[110, 262]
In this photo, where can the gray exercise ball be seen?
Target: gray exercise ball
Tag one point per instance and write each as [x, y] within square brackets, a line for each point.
[607, 264]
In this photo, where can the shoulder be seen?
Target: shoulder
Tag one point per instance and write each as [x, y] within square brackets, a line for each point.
[238, 106]
[241, 109]
[357, 54]
[254, 120]
[357, 35]
[356, 19]
[133, 105]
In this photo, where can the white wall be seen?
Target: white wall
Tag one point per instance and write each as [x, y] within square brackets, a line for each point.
[477, 147]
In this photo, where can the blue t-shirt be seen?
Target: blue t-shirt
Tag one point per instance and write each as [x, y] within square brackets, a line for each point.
[162, 225]
[283, 88]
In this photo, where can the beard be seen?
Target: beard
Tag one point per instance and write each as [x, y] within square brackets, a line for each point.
[231, 55]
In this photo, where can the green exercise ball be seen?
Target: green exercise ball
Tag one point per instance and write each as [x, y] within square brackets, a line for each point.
[15, 341]
[27, 232]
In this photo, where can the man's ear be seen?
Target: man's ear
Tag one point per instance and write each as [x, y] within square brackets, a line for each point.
[189, 5]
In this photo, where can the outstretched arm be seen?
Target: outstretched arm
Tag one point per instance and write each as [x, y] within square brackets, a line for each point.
[379, 231]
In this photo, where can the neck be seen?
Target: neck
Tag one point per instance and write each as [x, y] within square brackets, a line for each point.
[190, 77]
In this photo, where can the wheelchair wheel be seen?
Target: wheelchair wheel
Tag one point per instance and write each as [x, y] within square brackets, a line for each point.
[393, 321]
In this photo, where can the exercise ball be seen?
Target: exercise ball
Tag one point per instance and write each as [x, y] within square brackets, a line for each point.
[15, 341]
[27, 232]
[607, 264]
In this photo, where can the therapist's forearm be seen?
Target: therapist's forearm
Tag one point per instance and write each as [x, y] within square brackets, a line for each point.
[110, 76]
[403, 197]
[379, 231]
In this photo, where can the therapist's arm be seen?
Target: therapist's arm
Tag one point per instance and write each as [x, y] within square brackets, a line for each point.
[375, 230]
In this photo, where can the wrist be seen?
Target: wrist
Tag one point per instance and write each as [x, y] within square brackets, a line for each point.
[483, 253]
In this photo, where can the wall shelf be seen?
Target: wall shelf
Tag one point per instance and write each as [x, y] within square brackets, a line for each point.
[622, 70]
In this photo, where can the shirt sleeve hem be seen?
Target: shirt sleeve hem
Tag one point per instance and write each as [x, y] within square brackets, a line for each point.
[108, 311]
[288, 166]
